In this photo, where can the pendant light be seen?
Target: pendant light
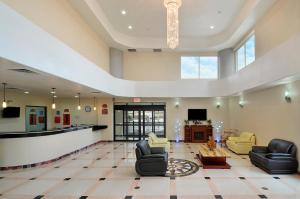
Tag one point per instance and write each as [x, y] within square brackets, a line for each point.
[79, 107]
[4, 104]
[95, 108]
[53, 101]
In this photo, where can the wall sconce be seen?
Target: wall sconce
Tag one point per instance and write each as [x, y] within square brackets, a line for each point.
[53, 100]
[4, 103]
[176, 104]
[287, 96]
[78, 107]
[218, 105]
[95, 108]
[241, 103]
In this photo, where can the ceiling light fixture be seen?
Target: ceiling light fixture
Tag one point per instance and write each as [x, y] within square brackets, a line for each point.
[123, 12]
[53, 96]
[4, 104]
[130, 27]
[95, 108]
[172, 22]
[26, 92]
[211, 27]
[79, 107]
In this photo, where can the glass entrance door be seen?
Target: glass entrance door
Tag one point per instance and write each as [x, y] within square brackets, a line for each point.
[135, 121]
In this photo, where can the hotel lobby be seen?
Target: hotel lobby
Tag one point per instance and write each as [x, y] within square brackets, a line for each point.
[140, 99]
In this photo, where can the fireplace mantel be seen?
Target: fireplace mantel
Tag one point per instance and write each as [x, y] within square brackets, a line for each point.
[197, 133]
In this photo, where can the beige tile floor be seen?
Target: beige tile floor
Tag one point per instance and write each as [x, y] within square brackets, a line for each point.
[90, 174]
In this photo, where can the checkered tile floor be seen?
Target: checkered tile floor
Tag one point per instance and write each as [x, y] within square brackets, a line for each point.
[106, 171]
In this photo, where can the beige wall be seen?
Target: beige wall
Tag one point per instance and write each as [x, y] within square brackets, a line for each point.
[268, 115]
[277, 26]
[173, 113]
[21, 100]
[60, 19]
[145, 66]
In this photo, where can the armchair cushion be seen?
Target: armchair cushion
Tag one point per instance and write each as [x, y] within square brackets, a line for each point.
[260, 149]
[157, 150]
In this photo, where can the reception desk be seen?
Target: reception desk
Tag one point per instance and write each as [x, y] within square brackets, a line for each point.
[25, 149]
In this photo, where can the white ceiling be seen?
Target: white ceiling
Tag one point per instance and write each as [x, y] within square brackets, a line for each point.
[231, 19]
[40, 83]
[148, 17]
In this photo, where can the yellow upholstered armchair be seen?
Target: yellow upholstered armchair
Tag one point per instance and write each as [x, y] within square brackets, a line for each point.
[241, 144]
[155, 141]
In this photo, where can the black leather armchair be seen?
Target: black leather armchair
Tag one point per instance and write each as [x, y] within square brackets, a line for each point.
[150, 161]
[279, 157]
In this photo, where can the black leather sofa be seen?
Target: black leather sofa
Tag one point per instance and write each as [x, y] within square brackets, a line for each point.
[150, 161]
[279, 157]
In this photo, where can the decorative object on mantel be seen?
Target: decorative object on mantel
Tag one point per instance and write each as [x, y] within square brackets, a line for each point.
[197, 122]
[209, 121]
[186, 122]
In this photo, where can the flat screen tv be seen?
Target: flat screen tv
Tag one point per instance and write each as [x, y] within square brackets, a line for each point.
[197, 114]
[11, 112]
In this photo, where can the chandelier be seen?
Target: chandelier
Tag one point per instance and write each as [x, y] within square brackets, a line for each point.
[172, 22]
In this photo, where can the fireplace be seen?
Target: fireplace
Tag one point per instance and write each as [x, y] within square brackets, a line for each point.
[199, 136]
[198, 133]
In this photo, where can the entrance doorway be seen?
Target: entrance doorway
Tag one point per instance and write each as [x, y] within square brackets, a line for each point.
[133, 121]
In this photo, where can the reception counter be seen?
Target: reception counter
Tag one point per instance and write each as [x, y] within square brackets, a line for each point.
[26, 149]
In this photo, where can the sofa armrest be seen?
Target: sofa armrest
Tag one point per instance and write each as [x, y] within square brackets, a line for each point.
[154, 156]
[281, 156]
[243, 142]
[260, 149]
[233, 138]
[160, 140]
[157, 150]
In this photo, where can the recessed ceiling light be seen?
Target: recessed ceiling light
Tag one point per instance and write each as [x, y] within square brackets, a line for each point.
[123, 12]
[26, 92]
[130, 27]
[211, 27]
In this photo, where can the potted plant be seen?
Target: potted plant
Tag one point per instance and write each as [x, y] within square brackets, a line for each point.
[186, 122]
[209, 122]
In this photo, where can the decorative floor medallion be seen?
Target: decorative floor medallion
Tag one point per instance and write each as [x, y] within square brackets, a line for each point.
[180, 167]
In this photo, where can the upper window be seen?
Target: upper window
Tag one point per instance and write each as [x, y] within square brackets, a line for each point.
[245, 55]
[199, 67]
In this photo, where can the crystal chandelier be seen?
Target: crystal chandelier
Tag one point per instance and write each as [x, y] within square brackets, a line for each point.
[172, 22]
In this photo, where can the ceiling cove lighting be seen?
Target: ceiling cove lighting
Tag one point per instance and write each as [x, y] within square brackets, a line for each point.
[95, 108]
[53, 99]
[78, 107]
[4, 104]
[172, 22]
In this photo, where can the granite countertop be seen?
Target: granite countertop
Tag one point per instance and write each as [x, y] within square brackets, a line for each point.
[49, 132]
